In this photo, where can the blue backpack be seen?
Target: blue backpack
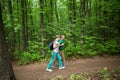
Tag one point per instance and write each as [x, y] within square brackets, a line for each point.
[51, 45]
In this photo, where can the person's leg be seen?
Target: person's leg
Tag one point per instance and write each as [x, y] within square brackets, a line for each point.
[51, 60]
[59, 60]
[54, 63]
[63, 57]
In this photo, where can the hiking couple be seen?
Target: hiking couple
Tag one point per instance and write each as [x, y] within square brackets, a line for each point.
[57, 53]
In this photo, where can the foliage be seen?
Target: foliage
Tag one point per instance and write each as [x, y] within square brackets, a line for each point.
[111, 47]
[91, 27]
[32, 54]
[103, 74]
[25, 57]
[82, 76]
[34, 47]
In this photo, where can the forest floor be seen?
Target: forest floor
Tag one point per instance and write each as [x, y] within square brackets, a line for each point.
[37, 71]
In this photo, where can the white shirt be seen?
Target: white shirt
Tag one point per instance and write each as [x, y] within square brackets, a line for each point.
[54, 45]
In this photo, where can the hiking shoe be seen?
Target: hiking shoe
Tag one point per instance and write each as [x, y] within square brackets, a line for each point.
[61, 67]
[49, 70]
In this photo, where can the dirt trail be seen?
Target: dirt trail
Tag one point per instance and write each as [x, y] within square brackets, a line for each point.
[37, 71]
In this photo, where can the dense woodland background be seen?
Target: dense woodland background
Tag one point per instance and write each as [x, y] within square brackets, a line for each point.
[91, 27]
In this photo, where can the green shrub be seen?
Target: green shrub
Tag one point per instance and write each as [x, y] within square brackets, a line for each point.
[34, 47]
[90, 48]
[111, 47]
[103, 74]
[27, 57]
[33, 53]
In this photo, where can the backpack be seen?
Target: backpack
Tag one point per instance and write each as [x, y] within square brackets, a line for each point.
[51, 45]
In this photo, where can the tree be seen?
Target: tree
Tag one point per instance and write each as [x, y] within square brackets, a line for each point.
[13, 42]
[42, 25]
[90, 26]
[6, 71]
[24, 24]
[57, 16]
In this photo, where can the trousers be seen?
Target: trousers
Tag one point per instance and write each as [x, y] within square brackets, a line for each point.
[55, 55]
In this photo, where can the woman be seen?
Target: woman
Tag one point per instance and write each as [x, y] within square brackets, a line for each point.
[55, 55]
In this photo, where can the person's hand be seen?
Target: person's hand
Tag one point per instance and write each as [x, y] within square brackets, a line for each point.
[57, 45]
[62, 44]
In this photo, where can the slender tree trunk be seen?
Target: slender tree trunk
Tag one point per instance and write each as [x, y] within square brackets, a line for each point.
[70, 8]
[19, 31]
[118, 23]
[23, 25]
[42, 25]
[119, 36]
[51, 13]
[82, 22]
[26, 21]
[31, 22]
[47, 17]
[90, 15]
[74, 20]
[6, 71]
[12, 23]
[57, 17]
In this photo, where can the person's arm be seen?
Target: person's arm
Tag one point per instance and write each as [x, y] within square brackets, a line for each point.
[55, 45]
[61, 44]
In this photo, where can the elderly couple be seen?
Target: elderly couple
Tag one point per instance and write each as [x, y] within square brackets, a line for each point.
[57, 53]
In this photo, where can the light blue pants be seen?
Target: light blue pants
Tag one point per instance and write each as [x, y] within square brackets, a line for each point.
[53, 58]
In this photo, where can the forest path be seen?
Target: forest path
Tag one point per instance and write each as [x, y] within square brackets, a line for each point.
[37, 71]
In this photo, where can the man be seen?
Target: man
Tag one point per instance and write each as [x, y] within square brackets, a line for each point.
[55, 55]
[61, 48]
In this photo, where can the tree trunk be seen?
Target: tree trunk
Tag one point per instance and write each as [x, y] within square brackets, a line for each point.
[74, 20]
[13, 42]
[118, 23]
[82, 21]
[26, 22]
[51, 13]
[23, 25]
[70, 8]
[31, 31]
[57, 17]
[42, 26]
[6, 71]
[119, 37]
[89, 16]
